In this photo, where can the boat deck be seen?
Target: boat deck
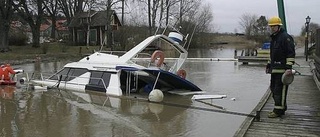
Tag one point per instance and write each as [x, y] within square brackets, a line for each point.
[302, 117]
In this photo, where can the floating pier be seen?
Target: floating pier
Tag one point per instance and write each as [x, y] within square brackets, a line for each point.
[251, 59]
[195, 59]
[252, 56]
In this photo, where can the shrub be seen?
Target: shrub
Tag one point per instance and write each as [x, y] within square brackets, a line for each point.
[17, 38]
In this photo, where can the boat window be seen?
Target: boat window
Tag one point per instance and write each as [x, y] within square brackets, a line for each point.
[62, 73]
[97, 77]
[75, 72]
[68, 74]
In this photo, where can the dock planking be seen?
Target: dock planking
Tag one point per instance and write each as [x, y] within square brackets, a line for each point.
[302, 117]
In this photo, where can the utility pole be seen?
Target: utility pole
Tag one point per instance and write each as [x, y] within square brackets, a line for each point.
[282, 14]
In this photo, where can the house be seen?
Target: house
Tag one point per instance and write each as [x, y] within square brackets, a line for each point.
[45, 29]
[61, 29]
[96, 21]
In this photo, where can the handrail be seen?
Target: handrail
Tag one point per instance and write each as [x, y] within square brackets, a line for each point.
[66, 77]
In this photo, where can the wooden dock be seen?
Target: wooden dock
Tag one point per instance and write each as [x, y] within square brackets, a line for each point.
[249, 56]
[302, 117]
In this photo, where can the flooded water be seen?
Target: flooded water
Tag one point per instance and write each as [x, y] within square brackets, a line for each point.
[28, 113]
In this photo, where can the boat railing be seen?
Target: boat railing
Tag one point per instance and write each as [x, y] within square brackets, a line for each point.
[66, 79]
[119, 53]
[27, 76]
[78, 80]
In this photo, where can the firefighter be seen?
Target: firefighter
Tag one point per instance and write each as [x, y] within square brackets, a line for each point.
[1, 72]
[282, 57]
[7, 70]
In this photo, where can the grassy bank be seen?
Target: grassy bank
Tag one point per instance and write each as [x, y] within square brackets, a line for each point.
[46, 52]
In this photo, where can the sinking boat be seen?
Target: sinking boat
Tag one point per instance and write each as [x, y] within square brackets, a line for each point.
[140, 70]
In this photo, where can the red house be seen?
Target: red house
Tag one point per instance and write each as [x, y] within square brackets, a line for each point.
[96, 23]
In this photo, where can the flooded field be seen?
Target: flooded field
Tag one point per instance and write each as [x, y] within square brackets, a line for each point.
[29, 113]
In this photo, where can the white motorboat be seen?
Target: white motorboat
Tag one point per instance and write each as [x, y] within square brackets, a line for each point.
[129, 73]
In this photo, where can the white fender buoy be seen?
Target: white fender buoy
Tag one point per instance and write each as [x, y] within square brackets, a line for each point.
[155, 108]
[156, 95]
[175, 36]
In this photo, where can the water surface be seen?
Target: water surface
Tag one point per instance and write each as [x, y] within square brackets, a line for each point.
[52, 113]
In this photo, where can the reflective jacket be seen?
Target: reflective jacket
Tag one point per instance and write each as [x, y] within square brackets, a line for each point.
[282, 52]
[7, 70]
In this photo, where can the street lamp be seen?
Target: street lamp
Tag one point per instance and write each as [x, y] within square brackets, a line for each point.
[307, 37]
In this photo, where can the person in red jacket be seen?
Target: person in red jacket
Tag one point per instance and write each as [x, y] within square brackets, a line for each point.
[1, 72]
[7, 70]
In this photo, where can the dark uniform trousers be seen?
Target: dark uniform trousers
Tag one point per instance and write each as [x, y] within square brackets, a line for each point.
[279, 93]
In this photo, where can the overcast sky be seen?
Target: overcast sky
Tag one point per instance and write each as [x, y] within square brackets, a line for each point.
[227, 13]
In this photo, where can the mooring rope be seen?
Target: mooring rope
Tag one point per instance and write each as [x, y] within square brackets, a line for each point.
[195, 107]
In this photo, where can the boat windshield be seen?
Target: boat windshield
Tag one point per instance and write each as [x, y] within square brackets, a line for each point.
[67, 74]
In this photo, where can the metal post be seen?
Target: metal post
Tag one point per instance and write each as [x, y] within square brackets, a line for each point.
[281, 13]
[306, 42]
[307, 37]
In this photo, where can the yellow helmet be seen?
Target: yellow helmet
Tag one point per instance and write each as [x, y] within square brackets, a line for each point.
[274, 21]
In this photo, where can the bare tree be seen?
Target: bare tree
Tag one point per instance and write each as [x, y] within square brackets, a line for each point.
[152, 11]
[71, 7]
[188, 8]
[247, 22]
[109, 37]
[204, 19]
[90, 7]
[51, 7]
[122, 12]
[6, 11]
[312, 30]
[32, 12]
[261, 26]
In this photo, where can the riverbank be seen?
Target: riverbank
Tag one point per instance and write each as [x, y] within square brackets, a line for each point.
[57, 51]
[61, 51]
[48, 52]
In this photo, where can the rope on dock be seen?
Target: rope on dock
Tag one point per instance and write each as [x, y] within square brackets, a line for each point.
[206, 109]
[195, 107]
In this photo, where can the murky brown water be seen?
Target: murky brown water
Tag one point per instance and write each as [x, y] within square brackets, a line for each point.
[28, 113]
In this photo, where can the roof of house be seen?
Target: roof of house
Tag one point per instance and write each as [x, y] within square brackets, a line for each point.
[47, 24]
[59, 25]
[44, 27]
[99, 18]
